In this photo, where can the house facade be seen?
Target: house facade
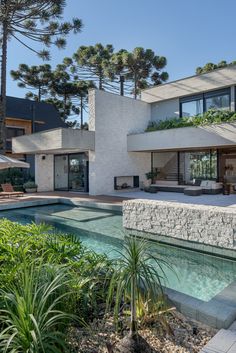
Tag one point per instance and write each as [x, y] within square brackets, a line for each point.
[116, 152]
[24, 117]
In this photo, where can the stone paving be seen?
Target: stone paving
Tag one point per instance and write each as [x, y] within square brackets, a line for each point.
[223, 342]
[210, 200]
[63, 194]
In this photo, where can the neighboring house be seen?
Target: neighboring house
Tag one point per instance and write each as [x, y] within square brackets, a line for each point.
[24, 117]
[116, 151]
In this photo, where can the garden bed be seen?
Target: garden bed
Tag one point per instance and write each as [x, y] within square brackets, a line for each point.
[189, 336]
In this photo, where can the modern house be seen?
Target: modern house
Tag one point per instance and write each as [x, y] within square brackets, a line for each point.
[26, 117]
[117, 152]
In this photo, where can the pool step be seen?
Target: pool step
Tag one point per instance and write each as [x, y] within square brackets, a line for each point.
[223, 342]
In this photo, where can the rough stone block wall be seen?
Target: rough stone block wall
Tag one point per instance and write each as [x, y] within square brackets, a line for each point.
[209, 225]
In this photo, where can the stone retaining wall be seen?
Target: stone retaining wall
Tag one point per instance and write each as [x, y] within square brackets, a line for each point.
[211, 225]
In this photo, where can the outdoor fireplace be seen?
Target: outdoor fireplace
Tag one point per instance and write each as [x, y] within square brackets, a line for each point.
[126, 182]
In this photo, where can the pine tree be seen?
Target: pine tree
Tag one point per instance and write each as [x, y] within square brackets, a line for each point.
[94, 63]
[34, 78]
[27, 21]
[143, 68]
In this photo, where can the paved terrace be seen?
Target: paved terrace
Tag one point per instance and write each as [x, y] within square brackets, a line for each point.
[207, 200]
[73, 198]
[117, 198]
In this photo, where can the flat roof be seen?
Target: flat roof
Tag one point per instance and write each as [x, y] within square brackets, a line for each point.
[216, 79]
[55, 141]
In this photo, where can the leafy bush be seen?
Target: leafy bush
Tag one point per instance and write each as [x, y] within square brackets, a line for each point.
[30, 185]
[210, 117]
[47, 279]
[15, 176]
[151, 175]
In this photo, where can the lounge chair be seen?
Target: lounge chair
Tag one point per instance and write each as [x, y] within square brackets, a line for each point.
[8, 191]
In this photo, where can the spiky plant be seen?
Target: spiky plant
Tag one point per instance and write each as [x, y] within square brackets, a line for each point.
[137, 277]
[32, 317]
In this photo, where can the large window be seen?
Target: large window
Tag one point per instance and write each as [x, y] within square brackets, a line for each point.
[195, 105]
[12, 132]
[218, 100]
[198, 165]
[192, 106]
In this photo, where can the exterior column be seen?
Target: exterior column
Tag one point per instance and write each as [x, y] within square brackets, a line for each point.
[44, 172]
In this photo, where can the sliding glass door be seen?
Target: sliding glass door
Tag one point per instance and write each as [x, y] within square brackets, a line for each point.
[71, 172]
[78, 172]
[201, 165]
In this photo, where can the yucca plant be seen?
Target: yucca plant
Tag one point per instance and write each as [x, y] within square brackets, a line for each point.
[137, 278]
[32, 314]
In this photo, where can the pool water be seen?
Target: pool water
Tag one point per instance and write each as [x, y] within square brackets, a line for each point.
[199, 275]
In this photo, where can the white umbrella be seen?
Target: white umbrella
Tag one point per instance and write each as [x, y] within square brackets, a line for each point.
[7, 162]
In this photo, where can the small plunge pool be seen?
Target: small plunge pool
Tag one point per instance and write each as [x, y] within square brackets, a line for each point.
[199, 275]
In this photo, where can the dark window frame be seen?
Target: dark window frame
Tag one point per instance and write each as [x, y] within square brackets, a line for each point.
[9, 139]
[204, 96]
[68, 166]
[15, 128]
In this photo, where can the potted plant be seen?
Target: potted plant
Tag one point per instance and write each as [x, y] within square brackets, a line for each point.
[150, 177]
[30, 186]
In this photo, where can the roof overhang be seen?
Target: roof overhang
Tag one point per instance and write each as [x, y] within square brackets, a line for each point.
[216, 79]
[212, 136]
[55, 141]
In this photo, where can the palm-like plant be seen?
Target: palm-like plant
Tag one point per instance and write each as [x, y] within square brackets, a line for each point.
[31, 315]
[137, 278]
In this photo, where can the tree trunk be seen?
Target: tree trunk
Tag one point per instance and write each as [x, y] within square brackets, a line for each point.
[3, 88]
[100, 82]
[39, 94]
[135, 85]
[81, 113]
[65, 102]
[133, 327]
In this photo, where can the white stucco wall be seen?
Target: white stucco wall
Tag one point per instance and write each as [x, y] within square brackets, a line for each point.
[165, 110]
[113, 117]
[44, 172]
[207, 136]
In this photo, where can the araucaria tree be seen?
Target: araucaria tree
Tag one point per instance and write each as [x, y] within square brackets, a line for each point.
[35, 78]
[143, 68]
[94, 63]
[26, 21]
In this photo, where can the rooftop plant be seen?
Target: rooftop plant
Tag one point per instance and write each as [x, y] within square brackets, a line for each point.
[212, 116]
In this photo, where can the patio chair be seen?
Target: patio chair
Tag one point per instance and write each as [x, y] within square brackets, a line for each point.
[8, 191]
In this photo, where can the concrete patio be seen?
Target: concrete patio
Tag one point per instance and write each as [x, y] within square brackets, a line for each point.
[210, 200]
[116, 198]
[73, 198]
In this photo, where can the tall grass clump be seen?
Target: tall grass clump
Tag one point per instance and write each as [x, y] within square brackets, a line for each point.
[48, 280]
[33, 313]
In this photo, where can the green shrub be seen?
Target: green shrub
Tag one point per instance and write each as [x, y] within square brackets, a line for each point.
[81, 286]
[32, 312]
[30, 185]
[210, 117]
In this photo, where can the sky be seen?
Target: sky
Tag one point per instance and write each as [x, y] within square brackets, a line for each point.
[189, 33]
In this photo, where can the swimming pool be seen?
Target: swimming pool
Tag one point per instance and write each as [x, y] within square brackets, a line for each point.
[196, 274]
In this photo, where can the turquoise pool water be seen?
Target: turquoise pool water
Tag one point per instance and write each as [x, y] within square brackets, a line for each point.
[200, 275]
